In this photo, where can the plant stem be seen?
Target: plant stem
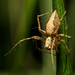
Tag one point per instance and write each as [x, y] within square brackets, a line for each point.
[63, 62]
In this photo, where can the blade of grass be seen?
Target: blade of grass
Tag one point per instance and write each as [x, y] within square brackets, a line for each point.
[63, 59]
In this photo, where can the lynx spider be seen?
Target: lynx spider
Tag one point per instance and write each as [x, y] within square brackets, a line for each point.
[53, 38]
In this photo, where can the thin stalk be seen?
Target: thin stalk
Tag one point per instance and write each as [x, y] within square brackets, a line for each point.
[63, 63]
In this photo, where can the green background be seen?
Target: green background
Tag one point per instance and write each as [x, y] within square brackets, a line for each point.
[18, 20]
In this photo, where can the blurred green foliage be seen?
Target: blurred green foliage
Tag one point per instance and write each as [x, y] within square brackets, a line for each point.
[18, 20]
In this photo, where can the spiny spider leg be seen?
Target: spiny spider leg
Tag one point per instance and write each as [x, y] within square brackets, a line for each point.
[62, 41]
[63, 16]
[45, 13]
[52, 53]
[33, 37]
[64, 35]
[40, 49]
[39, 26]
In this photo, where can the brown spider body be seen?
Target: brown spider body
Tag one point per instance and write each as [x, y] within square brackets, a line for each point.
[53, 38]
[51, 26]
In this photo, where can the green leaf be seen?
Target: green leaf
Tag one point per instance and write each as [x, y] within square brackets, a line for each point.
[63, 63]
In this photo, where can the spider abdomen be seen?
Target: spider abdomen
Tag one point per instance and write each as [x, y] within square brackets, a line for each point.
[52, 23]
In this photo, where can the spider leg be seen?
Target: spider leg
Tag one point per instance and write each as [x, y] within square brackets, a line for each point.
[52, 53]
[65, 35]
[45, 13]
[52, 59]
[62, 41]
[56, 46]
[39, 27]
[33, 37]
[39, 48]
[57, 49]
[63, 16]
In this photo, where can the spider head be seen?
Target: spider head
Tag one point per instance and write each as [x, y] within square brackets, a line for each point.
[48, 43]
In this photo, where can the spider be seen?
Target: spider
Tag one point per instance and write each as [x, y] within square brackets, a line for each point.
[53, 38]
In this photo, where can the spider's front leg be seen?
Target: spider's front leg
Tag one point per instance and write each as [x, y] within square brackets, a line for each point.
[39, 27]
[33, 37]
